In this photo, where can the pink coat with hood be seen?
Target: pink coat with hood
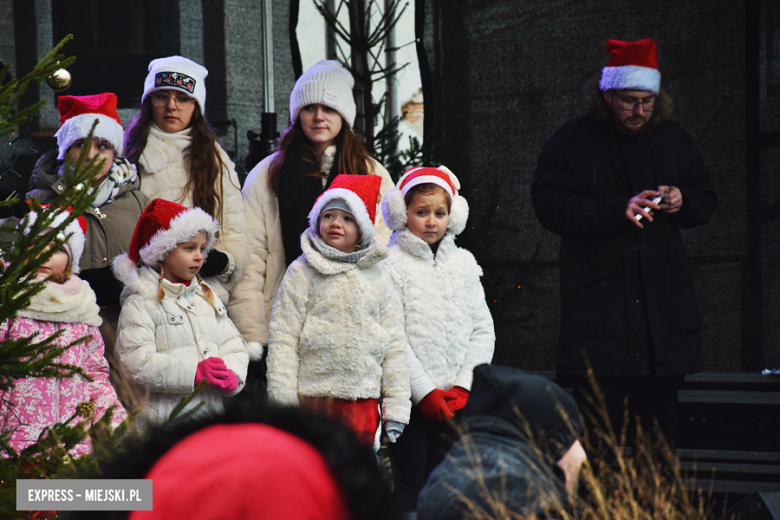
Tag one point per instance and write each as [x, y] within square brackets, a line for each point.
[36, 403]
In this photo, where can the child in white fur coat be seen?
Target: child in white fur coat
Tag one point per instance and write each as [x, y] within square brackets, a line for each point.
[448, 325]
[336, 340]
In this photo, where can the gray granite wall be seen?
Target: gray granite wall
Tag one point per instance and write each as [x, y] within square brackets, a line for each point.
[502, 76]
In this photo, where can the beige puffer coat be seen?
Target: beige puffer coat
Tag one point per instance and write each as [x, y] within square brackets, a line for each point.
[264, 238]
[164, 175]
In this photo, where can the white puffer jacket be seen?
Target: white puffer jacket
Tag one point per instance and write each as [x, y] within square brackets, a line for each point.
[448, 324]
[160, 342]
[336, 331]
[164, 175]
[266, 264]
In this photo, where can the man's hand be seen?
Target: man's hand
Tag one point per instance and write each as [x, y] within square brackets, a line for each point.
[642, 205]
[672, 201]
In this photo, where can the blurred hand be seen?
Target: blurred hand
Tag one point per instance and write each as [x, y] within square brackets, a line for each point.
[642, 205]
[434, 405]
[673, 199]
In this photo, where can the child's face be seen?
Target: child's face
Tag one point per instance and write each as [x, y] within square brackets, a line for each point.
[427, 216]
[57, 264]
[184, 262]
[98, 147]
[338, 229]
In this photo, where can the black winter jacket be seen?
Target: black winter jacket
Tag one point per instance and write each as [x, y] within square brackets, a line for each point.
[627, 295]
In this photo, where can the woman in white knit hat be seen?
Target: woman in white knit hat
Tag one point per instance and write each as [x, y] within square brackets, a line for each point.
[179, 159]
[318, 145]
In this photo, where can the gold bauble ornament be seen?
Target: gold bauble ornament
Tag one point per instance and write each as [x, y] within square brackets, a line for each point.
[59, 80]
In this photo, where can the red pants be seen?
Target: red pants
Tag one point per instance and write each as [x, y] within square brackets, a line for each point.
[361, 415]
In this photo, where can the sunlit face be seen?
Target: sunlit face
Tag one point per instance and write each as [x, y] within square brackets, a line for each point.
[321, 124]
[57, 264]
[184, 262]
[100, 148]
[629, 121]
[169, 117]
[427, 215]
[340, 230]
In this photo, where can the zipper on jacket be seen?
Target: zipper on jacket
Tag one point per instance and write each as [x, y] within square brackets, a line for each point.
[99, 214]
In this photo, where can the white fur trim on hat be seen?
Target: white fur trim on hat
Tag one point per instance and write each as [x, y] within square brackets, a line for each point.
[394, 211]
[72, 235]
[632, 77]
[78, 127]
[357, 208]
[177, 68]
[182, 228]
[327, 83]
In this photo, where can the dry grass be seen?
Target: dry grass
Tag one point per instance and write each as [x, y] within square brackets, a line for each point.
[647, 485]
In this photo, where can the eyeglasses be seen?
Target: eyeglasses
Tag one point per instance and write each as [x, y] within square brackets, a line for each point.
[647, 103]
[161, 99]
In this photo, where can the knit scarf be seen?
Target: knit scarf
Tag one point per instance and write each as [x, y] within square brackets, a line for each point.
[121, 173]
[179, 140]
[332, 253]
[70, 302]
[296, 191]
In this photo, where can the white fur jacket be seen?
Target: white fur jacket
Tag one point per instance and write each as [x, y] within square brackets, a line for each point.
[336, 331]
[164, 175]
[264, 239]
[160, 342]
[448, 324]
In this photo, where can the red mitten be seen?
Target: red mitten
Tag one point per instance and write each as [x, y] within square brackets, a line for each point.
[461, 396]
[434, 405]
[213, 370]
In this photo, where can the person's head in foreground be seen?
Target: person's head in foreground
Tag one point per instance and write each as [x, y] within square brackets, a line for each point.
[521, 434]
[267, 463]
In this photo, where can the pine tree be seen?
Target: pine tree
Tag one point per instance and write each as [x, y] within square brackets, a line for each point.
[36, 356]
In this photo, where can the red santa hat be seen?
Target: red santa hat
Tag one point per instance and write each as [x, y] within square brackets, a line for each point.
[359, 194]
[394, 204]
[78, 113]
[73, 237]
[163, 225]
[632, 65]
[212, 474]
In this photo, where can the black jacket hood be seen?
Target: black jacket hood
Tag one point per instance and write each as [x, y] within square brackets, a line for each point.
[523, 399]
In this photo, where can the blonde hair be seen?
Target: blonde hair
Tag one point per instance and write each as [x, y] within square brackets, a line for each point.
[206, 289]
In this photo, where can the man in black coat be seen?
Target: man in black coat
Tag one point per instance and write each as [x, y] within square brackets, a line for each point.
[628, 306]
[520, 454]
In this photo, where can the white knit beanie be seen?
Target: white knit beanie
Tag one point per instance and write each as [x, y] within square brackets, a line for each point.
[179, 73]
[326, 83]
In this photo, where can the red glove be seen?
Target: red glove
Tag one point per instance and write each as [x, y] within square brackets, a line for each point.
[460, 397]
[216, 374]
[434, 405]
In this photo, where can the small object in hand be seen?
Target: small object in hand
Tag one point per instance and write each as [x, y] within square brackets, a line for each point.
[655, 200]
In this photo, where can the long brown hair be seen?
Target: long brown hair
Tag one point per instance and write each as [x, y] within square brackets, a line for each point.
[353, 156]
[205, 169]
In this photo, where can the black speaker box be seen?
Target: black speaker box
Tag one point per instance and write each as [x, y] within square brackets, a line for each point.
[756, 506]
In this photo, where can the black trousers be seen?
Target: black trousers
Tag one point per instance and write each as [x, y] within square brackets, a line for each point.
[649, 398]
[416, 453]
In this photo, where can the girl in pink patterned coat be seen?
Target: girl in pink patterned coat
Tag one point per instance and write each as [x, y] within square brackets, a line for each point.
[67, 302]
